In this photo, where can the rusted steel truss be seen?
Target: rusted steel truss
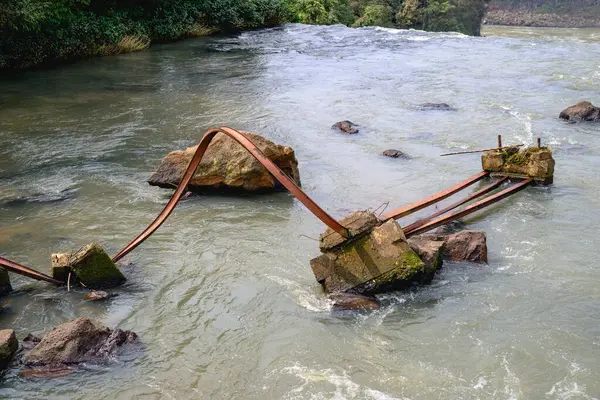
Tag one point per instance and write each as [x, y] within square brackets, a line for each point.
[418, 227]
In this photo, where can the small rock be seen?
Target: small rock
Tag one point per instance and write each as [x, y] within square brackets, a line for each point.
[431, 250]
[467, 246]
[345, 302]
[582, 111]
[346, 127]
[451, 227]
[97, 295]
[30, 341]
[396, 154]
[79, 340]
[436, 107]
[5, 286]
[8, 347]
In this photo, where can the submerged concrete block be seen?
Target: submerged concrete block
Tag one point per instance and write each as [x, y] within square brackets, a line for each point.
[532, 162]
[5, 286]
[378, 261]
[91, 266]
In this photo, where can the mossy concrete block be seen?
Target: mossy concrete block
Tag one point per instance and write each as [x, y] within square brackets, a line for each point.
[5, 286]
[430, 249]
[357, 223]
[60, 266]
[91, 266]
[376, 262]
[8, 347]
[532, 162]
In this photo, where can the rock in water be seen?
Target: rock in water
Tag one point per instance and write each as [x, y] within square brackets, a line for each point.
[582, 111]
[431, 251]
[467, 246]
[346, 127]
[97, 295]
[345, 302]
[227, 166]
[376, 259]
[91, 266]
[8, 347]
[436, 107]
[75, 342]
[396, 154]
[5, 286]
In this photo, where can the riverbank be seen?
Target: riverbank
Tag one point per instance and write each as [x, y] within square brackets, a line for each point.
[543, 13]
[534, 19]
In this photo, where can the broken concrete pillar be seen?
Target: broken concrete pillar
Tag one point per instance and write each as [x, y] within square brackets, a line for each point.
[532, 162]
[376, 259]
[431, 251]
[5, 286]
[8, 347]
[91, 266]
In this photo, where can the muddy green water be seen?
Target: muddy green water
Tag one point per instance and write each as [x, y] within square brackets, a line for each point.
[222, 295]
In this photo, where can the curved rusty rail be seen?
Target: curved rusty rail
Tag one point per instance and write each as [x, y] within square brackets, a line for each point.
[256, 153]
[26, 271]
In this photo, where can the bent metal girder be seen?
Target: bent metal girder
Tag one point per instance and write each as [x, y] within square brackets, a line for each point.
[291, 186]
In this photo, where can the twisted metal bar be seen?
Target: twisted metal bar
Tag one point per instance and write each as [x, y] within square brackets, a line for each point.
[256, 153]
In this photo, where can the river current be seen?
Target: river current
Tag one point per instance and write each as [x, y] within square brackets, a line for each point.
[223, 297]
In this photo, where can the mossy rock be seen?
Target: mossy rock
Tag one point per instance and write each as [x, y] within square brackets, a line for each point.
[91, 266]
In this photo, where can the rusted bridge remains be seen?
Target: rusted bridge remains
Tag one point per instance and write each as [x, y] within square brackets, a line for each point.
[439, 218]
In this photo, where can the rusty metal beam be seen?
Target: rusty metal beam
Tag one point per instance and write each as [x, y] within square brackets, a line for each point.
[470, 209]
[416, 206]
[256, 153]
[459, 203]
[26, 271]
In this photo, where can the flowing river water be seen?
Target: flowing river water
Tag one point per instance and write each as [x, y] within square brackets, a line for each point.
[223, 296]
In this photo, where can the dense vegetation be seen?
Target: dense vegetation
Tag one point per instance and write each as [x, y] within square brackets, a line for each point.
[38, 32]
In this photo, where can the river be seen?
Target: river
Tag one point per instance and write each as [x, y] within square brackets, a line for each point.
[223, 296]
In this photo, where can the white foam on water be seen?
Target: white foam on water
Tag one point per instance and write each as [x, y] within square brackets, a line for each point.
[303, 297]
[343, 386]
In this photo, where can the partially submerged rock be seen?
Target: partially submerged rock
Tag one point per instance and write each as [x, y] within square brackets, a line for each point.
[97, 295]
[5, 286]
[8, 347]
[436, 107]
[90, 266]
[228, 167]
[346, 127]
[376, 259]
[467, 246]
[430, 250]
[532, 162]
[463, 246]
[75, 342]
[354, 302]
[396, 154]
[582, 111]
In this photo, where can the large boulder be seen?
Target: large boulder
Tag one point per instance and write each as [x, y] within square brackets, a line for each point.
[376, 259]
[5, 286]
[90, 266]
[228, 167]
[8, 347]
[582, 111]
[77, 341]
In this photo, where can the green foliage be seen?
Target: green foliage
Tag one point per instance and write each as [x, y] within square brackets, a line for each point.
[34, 32]
[376, 15]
